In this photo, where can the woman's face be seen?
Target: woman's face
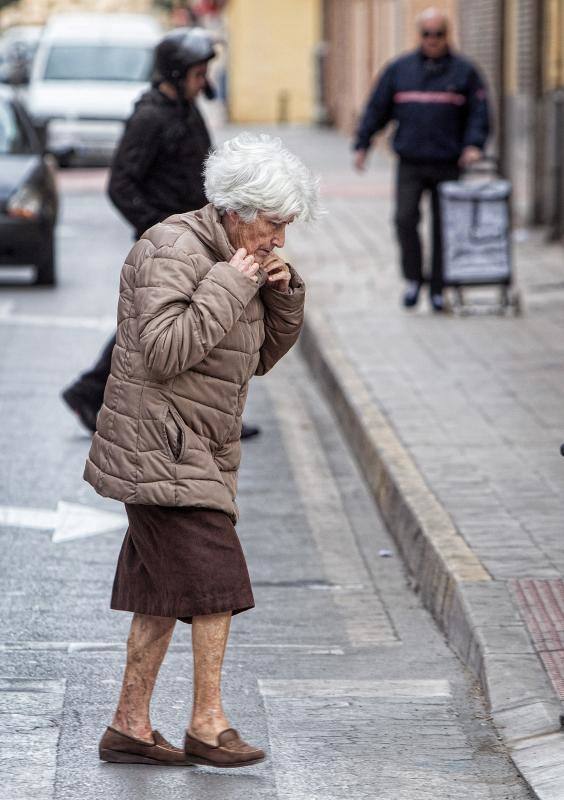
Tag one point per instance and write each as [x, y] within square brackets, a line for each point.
[259, 237]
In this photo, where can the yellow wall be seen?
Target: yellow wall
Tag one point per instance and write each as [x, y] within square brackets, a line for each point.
[272, 57]
[554, 45]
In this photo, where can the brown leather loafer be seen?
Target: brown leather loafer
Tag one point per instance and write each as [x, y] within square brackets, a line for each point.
[118, 748]
[230, 751]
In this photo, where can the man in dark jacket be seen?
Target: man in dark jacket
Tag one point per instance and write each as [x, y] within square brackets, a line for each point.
[438, 101]
[157, 169]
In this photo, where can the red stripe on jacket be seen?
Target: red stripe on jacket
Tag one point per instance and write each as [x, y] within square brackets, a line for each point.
[450, 98]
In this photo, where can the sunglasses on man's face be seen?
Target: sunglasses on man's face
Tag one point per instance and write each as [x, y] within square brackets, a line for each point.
[434, 34]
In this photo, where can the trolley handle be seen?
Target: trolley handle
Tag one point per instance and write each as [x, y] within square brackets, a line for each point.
[485, 165]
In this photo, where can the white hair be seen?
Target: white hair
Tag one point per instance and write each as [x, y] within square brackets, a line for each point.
[255, 173]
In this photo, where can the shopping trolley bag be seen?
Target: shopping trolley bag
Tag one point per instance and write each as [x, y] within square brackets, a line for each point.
[475, 225]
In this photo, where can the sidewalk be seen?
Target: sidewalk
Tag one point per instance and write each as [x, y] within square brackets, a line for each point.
[456, 422]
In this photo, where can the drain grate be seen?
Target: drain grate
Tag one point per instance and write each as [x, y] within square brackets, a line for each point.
[542, 605]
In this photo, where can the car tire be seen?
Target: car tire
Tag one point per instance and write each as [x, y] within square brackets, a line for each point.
[64, 161]
[46, 268]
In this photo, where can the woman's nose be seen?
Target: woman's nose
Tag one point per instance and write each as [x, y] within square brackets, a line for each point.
[279, 239]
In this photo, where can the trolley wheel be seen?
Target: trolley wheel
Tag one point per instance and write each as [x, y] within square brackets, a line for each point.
[504, 301]
[515, 302]
[458, 305]
[510, 300]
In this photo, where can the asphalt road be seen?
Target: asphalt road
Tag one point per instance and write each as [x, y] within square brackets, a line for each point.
[338, 672]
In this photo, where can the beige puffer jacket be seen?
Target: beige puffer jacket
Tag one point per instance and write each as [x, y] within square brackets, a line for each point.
[192, 330]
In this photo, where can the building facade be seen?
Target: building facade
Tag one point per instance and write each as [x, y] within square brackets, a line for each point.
[361, 36]
[273, 50]
[523, 59]
[549, 123]
[519, 47]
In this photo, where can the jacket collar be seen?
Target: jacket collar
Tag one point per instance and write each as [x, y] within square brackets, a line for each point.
[206, 224]
[441, 60]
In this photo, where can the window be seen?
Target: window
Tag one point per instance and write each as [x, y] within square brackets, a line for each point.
[99, 63]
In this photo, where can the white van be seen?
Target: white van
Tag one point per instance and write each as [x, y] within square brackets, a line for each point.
[88, 71]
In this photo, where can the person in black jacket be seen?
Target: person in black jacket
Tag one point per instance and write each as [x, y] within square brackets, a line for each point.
[157, 167]
[157, 170]
[438, 101]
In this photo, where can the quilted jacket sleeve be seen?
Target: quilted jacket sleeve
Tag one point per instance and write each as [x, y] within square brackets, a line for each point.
[283, 320]
[132, 161]
[181, 318]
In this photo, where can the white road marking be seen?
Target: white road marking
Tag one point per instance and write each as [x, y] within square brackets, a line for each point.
[79, 647]
[10, 317]
[35, 518]
[365, 618]
[70, 520]
[399, 739]
[31, 713]
[77, 521]
[354, 688]
[6, 308]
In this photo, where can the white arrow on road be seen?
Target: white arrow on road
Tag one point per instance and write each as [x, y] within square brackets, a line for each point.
[10, 316]
[69, 521]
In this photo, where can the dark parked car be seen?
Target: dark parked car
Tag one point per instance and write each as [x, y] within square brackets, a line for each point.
[28, 194]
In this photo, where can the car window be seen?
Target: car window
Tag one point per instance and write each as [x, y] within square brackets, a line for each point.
[98, 63]
[13, 137]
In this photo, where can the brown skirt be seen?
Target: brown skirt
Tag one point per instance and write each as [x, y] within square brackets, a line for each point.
[181, 562]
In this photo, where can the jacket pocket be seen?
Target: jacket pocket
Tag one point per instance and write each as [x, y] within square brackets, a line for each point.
[174, 436]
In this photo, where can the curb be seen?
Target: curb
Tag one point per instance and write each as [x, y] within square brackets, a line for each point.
[476, 613]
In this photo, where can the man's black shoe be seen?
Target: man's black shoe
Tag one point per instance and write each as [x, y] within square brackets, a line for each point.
[411, 295]
[248, 431]
[84, 411]
[437, 302]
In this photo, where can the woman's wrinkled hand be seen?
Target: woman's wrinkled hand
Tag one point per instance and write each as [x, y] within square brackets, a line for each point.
[246, 264]
[278, 273]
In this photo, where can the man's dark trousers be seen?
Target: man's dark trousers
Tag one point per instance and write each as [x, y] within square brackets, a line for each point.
[413, 179]
[90, 386]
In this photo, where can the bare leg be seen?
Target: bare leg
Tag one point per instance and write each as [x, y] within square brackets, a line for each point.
[209, 639]
[147, 644]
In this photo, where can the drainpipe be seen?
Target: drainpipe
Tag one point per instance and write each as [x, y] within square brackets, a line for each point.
[321, 114]
[502, 144]
[557, 226]
[539, 105]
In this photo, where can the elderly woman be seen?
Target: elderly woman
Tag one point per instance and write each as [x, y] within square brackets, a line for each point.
[205, 304]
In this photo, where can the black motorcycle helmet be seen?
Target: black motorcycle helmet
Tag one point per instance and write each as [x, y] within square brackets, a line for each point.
[179, 50]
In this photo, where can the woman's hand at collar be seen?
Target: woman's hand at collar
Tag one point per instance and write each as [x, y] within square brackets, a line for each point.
[246, 264]
[278, 273]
